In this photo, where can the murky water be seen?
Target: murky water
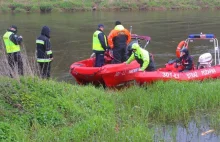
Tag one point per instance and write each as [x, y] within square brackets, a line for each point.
[71, 40]
[193, 132]
[72, 32]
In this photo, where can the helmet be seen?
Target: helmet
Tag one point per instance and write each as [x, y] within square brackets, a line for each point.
[185, 50]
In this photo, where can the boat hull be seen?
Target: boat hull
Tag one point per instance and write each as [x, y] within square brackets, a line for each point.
[198, 74]
[109, 75]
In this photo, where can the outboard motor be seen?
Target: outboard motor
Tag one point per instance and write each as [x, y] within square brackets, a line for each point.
[204, 61]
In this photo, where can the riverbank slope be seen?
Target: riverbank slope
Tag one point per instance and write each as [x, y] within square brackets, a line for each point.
[105, 5]
[32, 109]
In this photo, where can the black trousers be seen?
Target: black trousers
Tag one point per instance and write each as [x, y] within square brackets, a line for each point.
[45, 69]
[119, 55]
[99, 59]
[15, 60]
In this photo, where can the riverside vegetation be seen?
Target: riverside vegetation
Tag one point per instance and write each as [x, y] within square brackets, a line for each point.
[35, 110]
[87, 5]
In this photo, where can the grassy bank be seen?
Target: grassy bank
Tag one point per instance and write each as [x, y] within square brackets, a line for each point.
[88, 5]
[32, 109]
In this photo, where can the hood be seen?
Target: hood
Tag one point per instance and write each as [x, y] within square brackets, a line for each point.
[45, 31]
[119, 27]
[13, 29]
[130, 45]
[136, 47]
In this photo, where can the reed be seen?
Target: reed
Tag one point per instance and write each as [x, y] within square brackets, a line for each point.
[29, 64]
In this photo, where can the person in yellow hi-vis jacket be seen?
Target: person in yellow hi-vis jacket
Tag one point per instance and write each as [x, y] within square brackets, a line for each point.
[12, 45]
[99, 45]
[142, 56]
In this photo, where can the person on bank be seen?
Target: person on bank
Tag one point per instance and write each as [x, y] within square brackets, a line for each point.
[118, 40]
[12, 45]
[142, 56]
[185, 60]
[44, 52]
[99, 45]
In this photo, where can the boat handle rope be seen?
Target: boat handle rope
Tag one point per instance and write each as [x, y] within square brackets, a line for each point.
[100, 69]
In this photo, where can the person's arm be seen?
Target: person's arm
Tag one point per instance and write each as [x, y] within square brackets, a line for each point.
[16, 39]
[130, 59]
[48, 48]
[101, 38]
[128, 35]
[110, 39]
[146, 60]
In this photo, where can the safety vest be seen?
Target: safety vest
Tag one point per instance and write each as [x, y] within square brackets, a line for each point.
[9, 45]
[96, 43]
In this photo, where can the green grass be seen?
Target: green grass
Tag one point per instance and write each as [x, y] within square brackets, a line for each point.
[86, 5]
[35, 110]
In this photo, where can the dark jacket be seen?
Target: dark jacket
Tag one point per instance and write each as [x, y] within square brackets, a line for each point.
[187, 62]
[44, 49]
[101, 37]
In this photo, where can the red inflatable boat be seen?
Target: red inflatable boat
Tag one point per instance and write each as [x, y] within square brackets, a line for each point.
[204, 69]
[109, 75]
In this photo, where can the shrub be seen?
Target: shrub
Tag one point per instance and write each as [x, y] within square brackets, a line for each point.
[19, 10]
[28, 7]
[45, 7]
[13, 6]
[4, 8]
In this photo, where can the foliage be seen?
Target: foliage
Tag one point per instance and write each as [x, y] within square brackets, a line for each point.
[45, 7]
[75, 5]
[13, 6]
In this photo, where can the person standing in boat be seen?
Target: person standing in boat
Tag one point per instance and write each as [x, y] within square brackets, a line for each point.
[118, 40]
[142, 56]
[44, 52]
[99, 45]
[12, 45]
[185, 60]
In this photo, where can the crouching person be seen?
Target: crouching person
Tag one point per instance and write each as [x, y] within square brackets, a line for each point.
[185, 60]
[142, 57]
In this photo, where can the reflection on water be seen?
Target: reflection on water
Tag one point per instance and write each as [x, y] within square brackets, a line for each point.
[192, 133]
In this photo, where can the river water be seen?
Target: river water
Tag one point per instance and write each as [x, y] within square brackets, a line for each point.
[71, 35]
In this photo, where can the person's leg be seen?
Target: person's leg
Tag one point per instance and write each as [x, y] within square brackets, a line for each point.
[41, 69]
[11, 64]
[99, 60]
[151, 66]
[123, 54]
[117, 56]
[44, 70]
[11, 60]
[48, 70]
[20, 64]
